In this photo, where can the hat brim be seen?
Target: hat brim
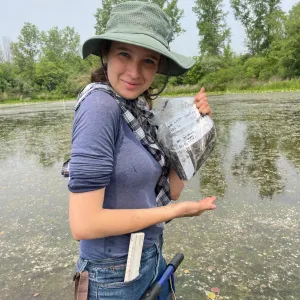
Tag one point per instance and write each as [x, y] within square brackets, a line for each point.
[175, 65]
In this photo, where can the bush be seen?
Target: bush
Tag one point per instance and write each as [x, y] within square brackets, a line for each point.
[220, 80]
[253, 67]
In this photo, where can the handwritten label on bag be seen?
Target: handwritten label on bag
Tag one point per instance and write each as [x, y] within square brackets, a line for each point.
[187, 129]
[185, 135]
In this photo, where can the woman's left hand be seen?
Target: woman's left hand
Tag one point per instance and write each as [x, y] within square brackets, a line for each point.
[202, 104]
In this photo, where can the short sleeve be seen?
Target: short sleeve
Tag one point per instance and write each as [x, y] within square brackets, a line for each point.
[95, 132]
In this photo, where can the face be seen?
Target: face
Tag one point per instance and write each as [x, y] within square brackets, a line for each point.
[131, 69]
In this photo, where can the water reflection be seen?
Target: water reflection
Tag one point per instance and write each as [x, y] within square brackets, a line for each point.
[212, 174]
[248, 247]
[257, 162]
[290, 135]
[268, 132]
[272, 131]
[45, 135]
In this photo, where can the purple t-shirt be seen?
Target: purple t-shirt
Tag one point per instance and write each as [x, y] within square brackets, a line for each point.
[106, 153]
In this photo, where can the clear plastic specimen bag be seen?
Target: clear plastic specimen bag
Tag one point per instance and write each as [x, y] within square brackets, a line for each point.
[186, 136]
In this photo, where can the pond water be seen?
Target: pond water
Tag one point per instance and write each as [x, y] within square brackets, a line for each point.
[249, 247]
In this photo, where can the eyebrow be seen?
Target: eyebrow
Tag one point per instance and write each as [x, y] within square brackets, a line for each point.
[153, 56]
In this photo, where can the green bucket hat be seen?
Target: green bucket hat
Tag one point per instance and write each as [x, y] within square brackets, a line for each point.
[142, 24]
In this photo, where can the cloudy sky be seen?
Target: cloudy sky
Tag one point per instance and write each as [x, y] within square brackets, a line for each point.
[79, 14]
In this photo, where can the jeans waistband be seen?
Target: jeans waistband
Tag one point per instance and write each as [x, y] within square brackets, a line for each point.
[151, 251]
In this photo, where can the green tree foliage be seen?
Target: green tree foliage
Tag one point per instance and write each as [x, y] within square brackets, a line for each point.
[290, 47]
[60, 44]
[49, 74]
[170, 7]
[102, 14]
[60, 59]
[263, 22]
[7, 77]
[213, 31]
[26, 51]
[43, 62]
[48, 64]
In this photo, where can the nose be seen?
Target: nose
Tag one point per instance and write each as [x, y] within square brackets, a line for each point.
[134, 69]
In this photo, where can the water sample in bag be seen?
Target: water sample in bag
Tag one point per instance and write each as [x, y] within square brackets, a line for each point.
[186, 136]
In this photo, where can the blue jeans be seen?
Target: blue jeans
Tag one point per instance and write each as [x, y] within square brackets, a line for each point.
[106, 276]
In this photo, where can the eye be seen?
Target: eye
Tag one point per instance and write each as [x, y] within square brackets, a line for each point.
[125, 54]
[149, 61]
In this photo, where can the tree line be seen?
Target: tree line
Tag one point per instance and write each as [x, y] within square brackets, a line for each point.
[47, 64]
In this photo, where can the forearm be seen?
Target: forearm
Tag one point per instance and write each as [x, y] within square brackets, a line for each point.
[176, 184]
[88, 220]
[112, 222]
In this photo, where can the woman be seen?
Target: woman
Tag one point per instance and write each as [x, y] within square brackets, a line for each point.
[120, 181]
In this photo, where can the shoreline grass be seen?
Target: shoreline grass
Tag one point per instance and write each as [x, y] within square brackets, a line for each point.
[32, 101]
[242, 87]
[228, 92]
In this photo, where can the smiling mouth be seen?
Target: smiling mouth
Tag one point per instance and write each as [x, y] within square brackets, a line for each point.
[130, 83]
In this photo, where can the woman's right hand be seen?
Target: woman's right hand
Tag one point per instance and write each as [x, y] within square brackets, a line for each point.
[192, 209]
